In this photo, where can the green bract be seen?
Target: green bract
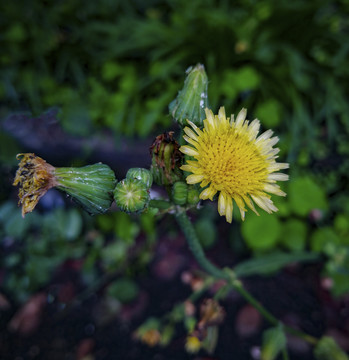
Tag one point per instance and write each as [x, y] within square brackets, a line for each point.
[193, 196]
[131, 195]
[90, 186]
[142, 175]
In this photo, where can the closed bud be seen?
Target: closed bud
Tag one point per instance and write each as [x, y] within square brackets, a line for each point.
[142, 175]
[166, 159]
[274, 340]
[327, 349]
[193, 195]
[131, 195]
[191, 101]
[179, 193]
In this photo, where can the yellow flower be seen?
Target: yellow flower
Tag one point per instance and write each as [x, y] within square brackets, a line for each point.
[232, 160]
[34, 177]
[193, 344]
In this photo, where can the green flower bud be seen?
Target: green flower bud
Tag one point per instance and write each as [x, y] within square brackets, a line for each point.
[90, 186]
[179, 193]
[274, 340]
[131, 195]
[141, 174]
[193, 195]
[327, 349]
[191, 101]
[166, 159]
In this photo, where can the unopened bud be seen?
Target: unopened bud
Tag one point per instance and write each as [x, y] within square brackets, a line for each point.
[179, 192]
[131, 195]
[140, 174]
[193, 195]
[191, 101]
[274, 340]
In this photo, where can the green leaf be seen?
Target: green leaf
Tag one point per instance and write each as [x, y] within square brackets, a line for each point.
[269, 263]
[125, 228]
[261, 232]
[269, 113]
[323, 240]
[305, 195]
[206, 232]
[73, 225]
[294, 235]
[125, 290]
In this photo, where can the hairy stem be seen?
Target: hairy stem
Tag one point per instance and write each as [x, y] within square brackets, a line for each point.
[226, 274]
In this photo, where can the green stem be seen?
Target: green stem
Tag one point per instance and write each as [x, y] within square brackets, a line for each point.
[196, 248]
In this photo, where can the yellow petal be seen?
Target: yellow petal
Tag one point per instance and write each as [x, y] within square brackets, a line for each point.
[229, 209]
[221, 204]
[194, 179]
[208, 193]
[190, 133]
[188, 150]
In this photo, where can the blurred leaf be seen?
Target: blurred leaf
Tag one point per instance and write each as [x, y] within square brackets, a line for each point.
[206, 232]
[305, 195]
[125, 228]
[125, 290]
[266, 264]
[73, 224]
[268, 112]
[323, 240]
[294, 235]
[261, 232]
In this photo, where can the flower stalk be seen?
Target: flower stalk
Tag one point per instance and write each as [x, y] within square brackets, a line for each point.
[228, 275]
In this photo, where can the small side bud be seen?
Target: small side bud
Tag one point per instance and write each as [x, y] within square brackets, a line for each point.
[193, 195]
[131, 195]
[191, 101]
[166, 159]
[142, 175]
[179, 193]
[274, 340]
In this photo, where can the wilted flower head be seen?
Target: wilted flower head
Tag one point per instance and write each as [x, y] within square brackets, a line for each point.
[90, 186]
[34, 177]
[232, 160]
[211, 313]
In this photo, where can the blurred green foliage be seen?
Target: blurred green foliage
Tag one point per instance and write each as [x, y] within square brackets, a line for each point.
[34, 248]
[117, 65]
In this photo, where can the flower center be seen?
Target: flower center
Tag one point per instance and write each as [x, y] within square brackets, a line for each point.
[232, 163]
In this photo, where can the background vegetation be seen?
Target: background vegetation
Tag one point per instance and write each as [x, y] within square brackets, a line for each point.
[110, 69]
